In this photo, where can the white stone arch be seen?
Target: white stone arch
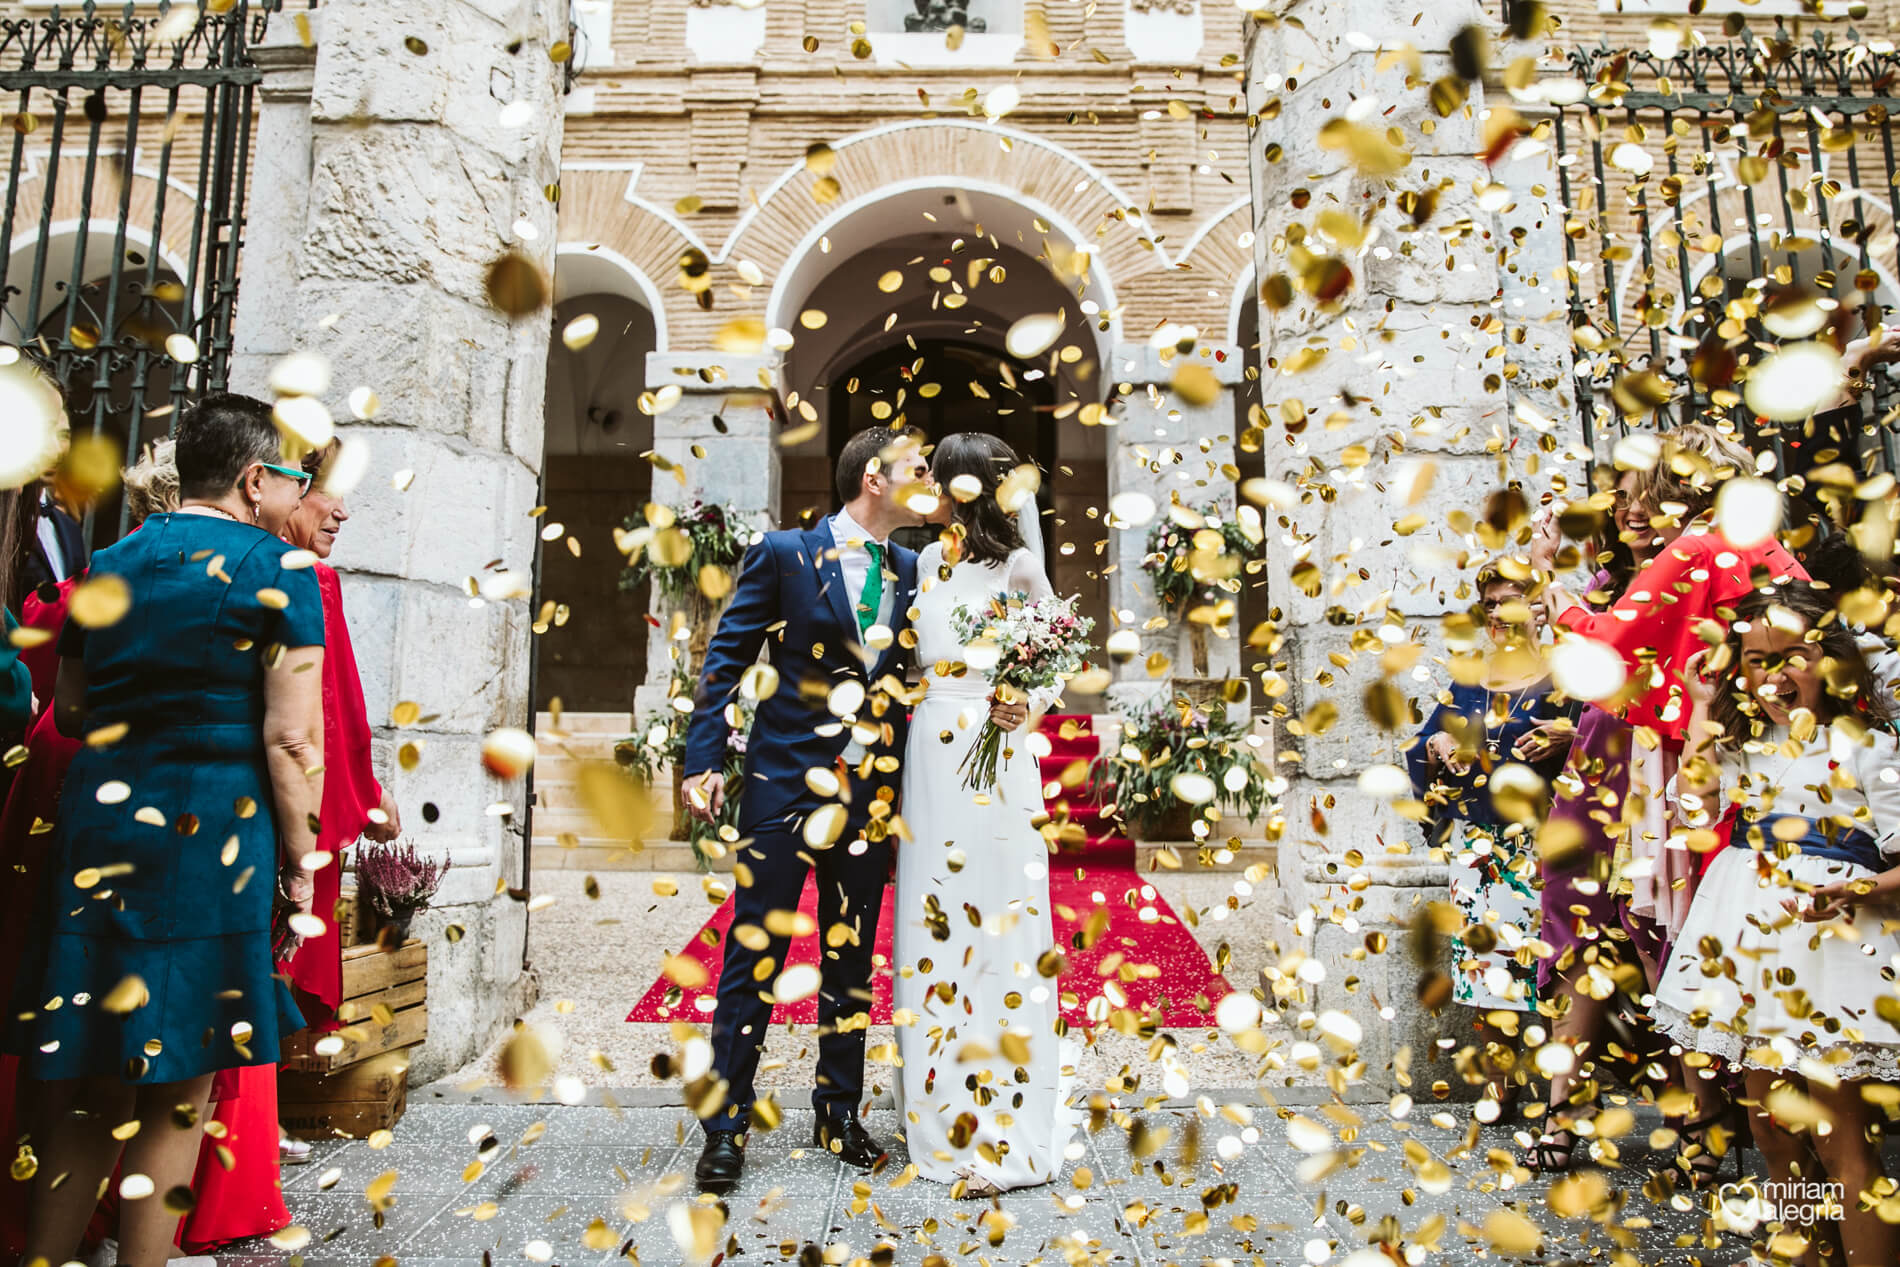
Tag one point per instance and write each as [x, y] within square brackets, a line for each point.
[60, 246]
[1628, 276]
[805, 265]
[1020, 142]
[582, 268]
[1237, 303]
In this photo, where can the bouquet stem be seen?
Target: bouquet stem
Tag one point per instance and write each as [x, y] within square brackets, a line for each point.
[979, 763]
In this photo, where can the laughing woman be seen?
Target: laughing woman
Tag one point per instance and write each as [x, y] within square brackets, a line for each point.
[194, 807]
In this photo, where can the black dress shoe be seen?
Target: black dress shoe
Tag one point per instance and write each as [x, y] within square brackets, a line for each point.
[849, 1142]
[720, 1163]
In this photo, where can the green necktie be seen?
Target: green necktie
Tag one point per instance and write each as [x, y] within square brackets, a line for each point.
[873, 596]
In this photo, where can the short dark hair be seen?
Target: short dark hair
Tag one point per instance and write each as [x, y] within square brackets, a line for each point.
[857, 454]
[991, 533]
[217, 438]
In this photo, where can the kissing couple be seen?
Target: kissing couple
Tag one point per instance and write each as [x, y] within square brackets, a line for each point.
[843, 613]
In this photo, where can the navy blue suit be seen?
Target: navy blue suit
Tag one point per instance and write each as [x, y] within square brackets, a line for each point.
[791, 601]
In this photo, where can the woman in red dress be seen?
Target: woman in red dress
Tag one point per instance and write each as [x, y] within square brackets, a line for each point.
[354, 804]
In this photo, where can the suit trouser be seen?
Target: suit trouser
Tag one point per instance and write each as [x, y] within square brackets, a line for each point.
[851, 895]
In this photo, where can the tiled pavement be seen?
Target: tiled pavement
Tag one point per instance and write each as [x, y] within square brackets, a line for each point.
[554, 1171]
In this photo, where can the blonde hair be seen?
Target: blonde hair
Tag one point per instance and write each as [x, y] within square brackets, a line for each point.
[1696, 458]
[151, 483]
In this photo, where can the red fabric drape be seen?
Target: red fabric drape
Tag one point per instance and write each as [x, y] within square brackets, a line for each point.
[1659, 611]
[247, 1198]
[350, 792]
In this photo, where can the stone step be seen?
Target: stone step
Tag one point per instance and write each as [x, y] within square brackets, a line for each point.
[575, 747]
[616, 724]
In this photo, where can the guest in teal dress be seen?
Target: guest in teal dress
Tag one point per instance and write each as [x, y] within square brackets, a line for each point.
[186, 831]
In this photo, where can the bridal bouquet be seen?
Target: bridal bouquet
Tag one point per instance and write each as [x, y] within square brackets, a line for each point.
[1022, 643]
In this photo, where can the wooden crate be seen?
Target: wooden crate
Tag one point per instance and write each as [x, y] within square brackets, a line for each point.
[385, 1007]
[365, 1097]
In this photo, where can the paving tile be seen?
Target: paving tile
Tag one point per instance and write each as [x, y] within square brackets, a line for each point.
[576, 1172]
[343, 1226]
[559, 1222]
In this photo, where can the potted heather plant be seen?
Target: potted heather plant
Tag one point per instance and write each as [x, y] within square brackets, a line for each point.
[1173, 762]
[396, 882]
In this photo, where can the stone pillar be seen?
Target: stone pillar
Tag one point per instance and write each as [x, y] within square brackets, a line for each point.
[1167, 449]
[1539, 354]
[378, 208]
[1394, 381]
[724, 411]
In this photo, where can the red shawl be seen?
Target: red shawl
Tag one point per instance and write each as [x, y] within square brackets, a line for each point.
[350, 792]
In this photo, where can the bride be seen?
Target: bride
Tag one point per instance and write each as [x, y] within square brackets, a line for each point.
[982, 1086]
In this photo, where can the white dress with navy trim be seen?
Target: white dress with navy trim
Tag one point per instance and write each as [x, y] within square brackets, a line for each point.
[1747, 982]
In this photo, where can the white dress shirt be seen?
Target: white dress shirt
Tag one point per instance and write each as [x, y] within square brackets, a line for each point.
[50, 542]
[854, 564]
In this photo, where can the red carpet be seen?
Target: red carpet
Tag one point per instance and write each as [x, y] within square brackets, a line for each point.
[1145, 958]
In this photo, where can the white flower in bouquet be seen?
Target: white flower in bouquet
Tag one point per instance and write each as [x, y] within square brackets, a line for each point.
[1027, 644]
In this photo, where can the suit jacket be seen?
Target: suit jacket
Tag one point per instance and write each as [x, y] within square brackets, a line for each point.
[72, 544]
[790, 600]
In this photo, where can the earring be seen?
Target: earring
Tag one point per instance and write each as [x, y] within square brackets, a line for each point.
[257, 510]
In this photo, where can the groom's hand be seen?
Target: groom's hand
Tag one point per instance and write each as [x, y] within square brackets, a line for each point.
[704, 794]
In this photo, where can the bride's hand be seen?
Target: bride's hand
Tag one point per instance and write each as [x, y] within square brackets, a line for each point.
[1007, 717]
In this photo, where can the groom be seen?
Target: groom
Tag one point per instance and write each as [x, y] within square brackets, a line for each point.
[815, 600]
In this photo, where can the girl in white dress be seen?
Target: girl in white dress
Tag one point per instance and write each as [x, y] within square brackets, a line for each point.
[983, 1083]
[1790, 948]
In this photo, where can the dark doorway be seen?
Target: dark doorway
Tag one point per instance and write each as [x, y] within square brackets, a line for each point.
[948, 385]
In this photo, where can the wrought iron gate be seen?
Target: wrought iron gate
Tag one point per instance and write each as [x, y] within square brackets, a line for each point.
[1705, 185]
[125, 201]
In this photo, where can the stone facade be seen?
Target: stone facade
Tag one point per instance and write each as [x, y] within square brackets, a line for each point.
[1401, 375]
[395, 179]
[700, 148]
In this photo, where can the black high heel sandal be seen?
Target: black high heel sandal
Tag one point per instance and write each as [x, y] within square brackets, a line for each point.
[1705, 1166]
[1554, 1152]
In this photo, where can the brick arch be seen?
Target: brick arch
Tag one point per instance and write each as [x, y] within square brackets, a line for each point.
[598, 210]
[1871, 205]
[952, 153]
[1214, 260]
[100, 214]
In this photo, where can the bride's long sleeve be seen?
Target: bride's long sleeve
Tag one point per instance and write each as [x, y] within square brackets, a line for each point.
[1026, 574]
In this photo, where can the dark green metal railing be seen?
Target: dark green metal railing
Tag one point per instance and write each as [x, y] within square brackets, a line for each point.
[125, 202]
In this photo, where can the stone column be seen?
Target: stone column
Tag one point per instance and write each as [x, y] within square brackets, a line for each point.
[1393, 382]
[412, 169]
[1167, 449]
[724, 411]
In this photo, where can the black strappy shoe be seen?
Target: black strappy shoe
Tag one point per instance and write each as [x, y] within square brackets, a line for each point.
[1701, 1159]
[1553, 1152]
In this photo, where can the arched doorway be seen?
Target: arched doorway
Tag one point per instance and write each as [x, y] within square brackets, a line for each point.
[912, 329]
[981, 388]
[593, 653]
[124, 389]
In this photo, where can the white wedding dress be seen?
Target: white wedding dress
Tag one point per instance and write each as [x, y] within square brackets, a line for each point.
[983, 1086]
